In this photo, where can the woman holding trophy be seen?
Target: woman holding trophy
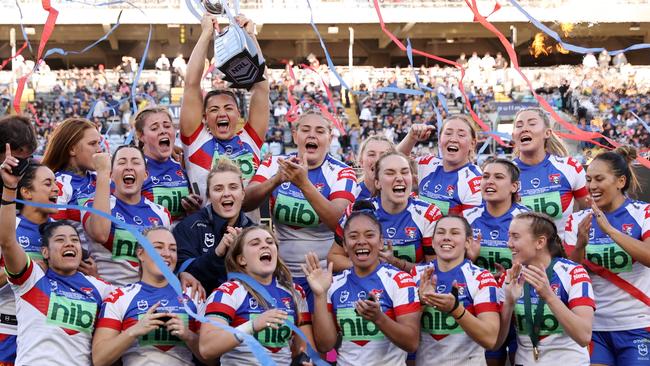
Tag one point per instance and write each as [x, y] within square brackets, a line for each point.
[209, 125]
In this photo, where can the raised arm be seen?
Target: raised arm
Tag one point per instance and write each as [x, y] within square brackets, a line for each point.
[99, 228]
[320, 280]
[192, 106]
[13, 254]
[417, 133]
[260, 106]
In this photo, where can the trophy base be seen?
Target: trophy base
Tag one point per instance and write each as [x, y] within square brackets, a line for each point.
[243, 71]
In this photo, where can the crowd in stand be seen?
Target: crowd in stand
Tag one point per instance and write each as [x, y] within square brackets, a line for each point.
[416, 258]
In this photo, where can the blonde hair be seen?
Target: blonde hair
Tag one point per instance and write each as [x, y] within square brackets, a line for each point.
[472, 130]
[314, 112]
[224, 164]
[553, 145]
[281, 272]
[141, 118]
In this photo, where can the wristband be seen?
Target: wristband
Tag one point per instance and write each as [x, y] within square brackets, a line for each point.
[454, 292]
[461, 315]
[7, 203]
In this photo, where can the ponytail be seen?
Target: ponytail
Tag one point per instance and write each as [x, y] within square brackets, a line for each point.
[553, 145]
[542, 225]
[620, 163]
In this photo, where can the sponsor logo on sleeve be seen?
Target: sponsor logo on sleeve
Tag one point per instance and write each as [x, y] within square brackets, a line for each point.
[579, 274]
[485, 279]
[347, 173]
[228, 287]
[403, 280]
[475, 184]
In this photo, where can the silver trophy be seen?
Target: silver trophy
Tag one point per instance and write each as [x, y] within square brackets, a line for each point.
[235, 51]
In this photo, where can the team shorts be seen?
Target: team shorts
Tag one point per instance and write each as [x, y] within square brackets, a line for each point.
[621, 348]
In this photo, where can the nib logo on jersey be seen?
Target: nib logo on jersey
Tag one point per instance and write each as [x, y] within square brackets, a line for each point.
[438, 324]
[274, 338]
[355, 328]
[550, 324]
[295, 212]
[124, 246]
[549, 203]
[490, 256]
[171, 197]
[610, 256]
[74, 314]
[161, 337]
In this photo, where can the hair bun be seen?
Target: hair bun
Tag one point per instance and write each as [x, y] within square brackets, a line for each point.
[627, 152]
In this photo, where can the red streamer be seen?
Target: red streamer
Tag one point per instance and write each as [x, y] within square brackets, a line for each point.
[48, 28]
[20, 50]
[399, 44]
[576, 132]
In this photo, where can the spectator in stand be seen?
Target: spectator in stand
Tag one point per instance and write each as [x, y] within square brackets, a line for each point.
[589, 61]
[488, 62]
[162, 63]
[603, 59]
[462, 60]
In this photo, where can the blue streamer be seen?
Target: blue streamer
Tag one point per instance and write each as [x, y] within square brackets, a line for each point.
[642, 121]
[484, 146]
[256, 348]
[573, 48]
[190, 7]
[134, 86]
[63, 52]
[257, 287]
[396, 90]
[22, 27]
[330, 64]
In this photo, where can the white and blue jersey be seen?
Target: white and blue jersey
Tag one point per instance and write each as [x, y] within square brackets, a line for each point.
[202, 150]
[442, 338]
[452, 191]
[571, 283]
[363, 192]
[166, 185]
[410, 231]
[234, 304]
[73, 190]
[56, 313]
[124, 307]
[494, 235]
[116, 258]
[552, 186]
[28, 237]
[297, 225]
[362, 341]
[616, 310]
